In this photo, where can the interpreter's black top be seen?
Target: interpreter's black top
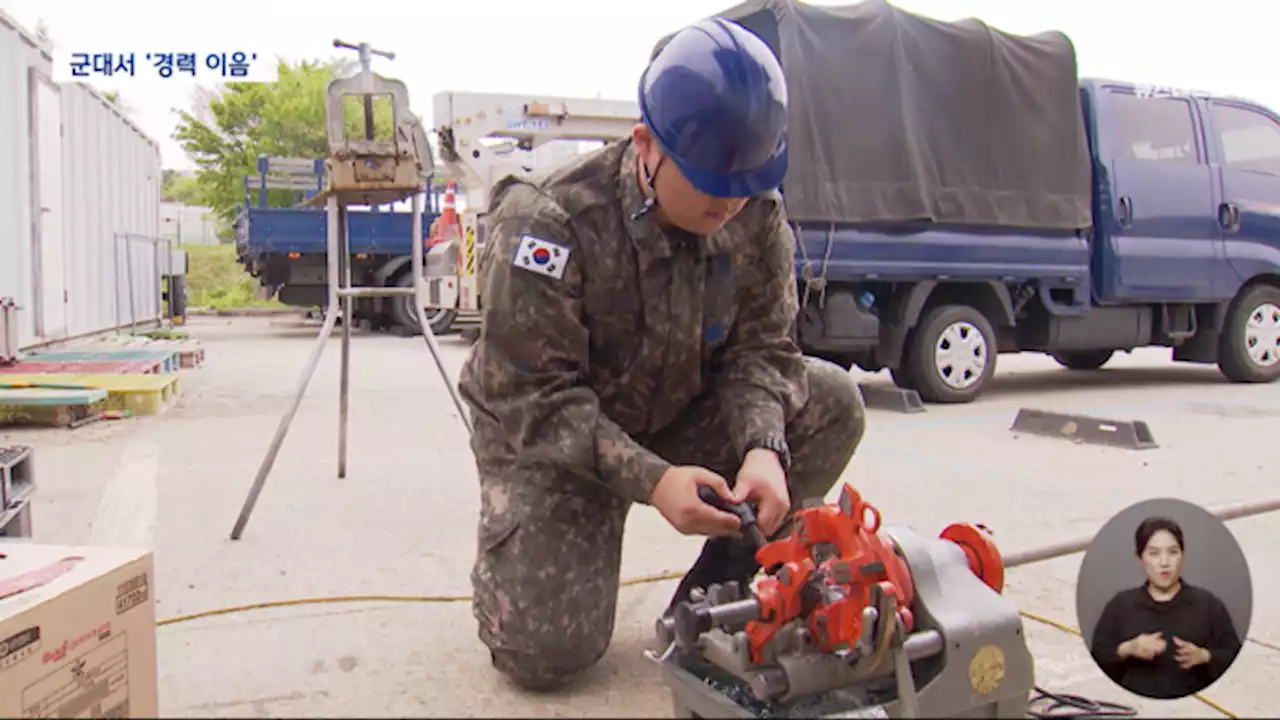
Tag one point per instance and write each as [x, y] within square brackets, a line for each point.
[1194, 614]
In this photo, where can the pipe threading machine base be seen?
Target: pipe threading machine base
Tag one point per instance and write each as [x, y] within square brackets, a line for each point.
[918, 629]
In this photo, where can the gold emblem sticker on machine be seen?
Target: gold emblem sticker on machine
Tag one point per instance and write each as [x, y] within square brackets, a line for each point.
[986, 669]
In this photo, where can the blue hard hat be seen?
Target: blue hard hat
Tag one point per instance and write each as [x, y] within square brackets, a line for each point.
[715, 99]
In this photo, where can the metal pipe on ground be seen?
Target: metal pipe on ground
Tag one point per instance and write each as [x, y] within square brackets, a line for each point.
[1071, 547]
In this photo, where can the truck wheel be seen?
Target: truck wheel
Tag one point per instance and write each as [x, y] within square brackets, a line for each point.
[901, 375]
[1083, 359]
[951, 355]
[1249, 348]
[403, 314]
[902, 378]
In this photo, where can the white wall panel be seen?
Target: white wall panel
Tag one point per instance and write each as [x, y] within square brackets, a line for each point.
[112, 186]
[97, 235]
[18, 54]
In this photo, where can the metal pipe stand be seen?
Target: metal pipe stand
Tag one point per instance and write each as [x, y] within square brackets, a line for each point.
[361, 172]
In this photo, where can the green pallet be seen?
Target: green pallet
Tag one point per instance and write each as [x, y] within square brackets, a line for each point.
[59, 406]
[167, 358]
[139, 394]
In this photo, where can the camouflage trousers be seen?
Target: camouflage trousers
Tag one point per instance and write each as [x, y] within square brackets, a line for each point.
[547, 568]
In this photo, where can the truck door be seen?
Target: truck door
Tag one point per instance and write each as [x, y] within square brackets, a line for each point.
[1163, 235]
[1246, 145]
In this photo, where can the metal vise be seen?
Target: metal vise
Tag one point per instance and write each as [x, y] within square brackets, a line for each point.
[964, 656]
[367, 170]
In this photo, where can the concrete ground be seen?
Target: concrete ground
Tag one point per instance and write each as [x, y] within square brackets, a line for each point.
[402, 523]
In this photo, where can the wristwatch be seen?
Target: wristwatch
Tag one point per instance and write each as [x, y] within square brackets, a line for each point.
[776, 443]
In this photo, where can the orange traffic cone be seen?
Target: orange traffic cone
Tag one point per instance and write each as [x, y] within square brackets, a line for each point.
[449, 211]
[450, 227]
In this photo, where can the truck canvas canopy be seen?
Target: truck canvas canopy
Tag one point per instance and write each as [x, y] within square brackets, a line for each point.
[897, 118]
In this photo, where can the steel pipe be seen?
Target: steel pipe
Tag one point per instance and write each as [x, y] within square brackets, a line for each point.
[369, 292]
[1071, 547]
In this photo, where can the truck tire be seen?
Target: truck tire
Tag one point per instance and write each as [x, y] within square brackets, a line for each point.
[901, 375]
[1083, 359]
[1249, 347]
[404, 316]
[902, 378]
[950, 355]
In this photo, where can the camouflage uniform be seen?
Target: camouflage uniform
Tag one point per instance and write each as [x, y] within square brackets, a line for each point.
[639, 351]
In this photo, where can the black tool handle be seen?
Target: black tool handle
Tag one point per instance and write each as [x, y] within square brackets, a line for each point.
[746, 515]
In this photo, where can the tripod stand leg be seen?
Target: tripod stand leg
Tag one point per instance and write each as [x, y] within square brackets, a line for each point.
[344, 392]
[444, 374]
[282, 431]
[427, 334]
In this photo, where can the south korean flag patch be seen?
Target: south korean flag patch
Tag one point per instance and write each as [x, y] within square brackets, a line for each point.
[541, 256]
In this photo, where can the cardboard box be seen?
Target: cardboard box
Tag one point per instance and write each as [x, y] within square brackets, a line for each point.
[77, 632]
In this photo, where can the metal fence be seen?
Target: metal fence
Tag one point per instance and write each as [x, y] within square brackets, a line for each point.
[139, 259]
[188, 224]
[75, 174]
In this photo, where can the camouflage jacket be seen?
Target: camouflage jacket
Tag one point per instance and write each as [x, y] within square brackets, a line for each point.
[599, 328]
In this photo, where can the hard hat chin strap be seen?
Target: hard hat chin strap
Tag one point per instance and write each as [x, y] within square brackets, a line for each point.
[647, 186]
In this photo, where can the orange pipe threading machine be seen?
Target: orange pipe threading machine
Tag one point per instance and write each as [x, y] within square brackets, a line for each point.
[843, 602]
[856, 559]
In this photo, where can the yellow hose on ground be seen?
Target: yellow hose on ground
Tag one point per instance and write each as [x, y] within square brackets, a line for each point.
[642, 580]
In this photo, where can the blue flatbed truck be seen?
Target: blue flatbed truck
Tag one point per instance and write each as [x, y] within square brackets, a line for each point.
[285, 248]
[969, 195]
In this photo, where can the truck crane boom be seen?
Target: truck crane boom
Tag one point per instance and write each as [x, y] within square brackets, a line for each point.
[480, 138]
[525, 122]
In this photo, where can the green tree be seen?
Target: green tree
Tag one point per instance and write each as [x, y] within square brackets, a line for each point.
[285, 118]
[180, 188]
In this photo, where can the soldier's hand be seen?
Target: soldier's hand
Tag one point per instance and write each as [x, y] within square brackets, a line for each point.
[676, 497]
[762, 482]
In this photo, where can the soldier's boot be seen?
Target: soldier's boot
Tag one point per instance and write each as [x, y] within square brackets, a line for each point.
[723, 560]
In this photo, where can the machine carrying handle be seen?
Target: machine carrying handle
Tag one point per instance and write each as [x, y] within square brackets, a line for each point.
[866, 515]
[746, 515]
[870, 516]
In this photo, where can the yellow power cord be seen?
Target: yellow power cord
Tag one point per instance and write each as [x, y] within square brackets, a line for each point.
[371, 598]
[642, 580]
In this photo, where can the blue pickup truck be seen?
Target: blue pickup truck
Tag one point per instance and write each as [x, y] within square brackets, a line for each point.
[972, 196]
[285, 248]
[1184, 251]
